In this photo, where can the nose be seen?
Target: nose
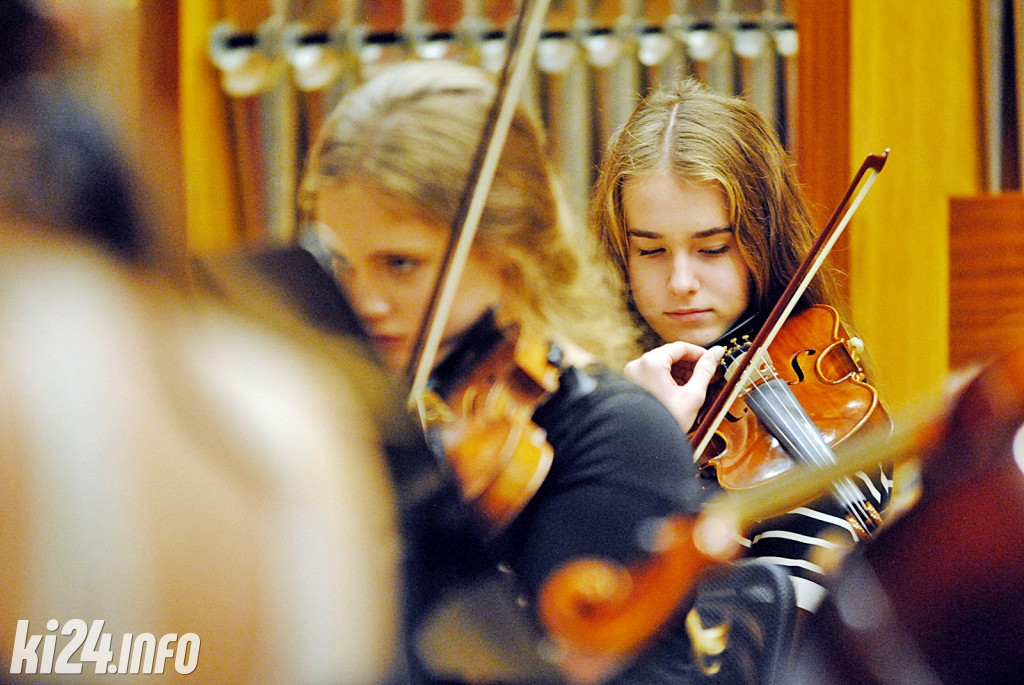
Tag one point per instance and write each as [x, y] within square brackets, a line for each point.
[683, 278]
[369, 302]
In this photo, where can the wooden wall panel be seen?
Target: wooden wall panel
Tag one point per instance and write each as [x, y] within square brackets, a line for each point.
[986, 276]
[871, 77]
[821, 133]
[211, 205]
[914, 89]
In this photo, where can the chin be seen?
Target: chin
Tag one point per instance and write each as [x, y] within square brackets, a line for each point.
[396, 363]
[703, 338]
[693, 337]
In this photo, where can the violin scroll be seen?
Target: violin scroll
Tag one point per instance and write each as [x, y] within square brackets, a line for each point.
[596, 606]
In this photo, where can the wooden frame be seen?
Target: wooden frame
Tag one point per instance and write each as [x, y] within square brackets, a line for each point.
[986, 257]
[822, 122]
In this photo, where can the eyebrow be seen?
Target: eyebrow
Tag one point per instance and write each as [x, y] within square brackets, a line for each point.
[640, 233]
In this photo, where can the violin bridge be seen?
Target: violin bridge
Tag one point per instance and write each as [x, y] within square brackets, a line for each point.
[874, 520]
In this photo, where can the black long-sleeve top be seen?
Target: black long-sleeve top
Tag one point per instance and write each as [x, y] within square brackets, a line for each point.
[620, 461]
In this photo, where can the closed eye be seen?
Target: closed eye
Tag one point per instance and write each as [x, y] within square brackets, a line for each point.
[639, 238]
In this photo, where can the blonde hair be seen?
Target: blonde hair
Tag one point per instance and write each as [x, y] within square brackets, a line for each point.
[412, 132]
[702, 136]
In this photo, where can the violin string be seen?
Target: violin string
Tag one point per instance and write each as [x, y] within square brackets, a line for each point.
[809, 439]
[815, 451]
[844, 490]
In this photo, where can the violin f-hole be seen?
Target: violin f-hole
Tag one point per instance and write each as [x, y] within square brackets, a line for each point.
[797, 369]
[733, 418]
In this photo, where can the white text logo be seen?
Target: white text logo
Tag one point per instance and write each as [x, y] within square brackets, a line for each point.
[142, 653]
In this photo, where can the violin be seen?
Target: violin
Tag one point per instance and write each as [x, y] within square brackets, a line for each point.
[746, 452]
[488, 438]
[809, 395]
[480, 404]
[476, 410]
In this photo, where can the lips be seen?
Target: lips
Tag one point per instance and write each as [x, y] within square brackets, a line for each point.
[386, 341]
[688, 315]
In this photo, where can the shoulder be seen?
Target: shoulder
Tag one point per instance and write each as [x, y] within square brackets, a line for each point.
[604, 428]
[597, 397]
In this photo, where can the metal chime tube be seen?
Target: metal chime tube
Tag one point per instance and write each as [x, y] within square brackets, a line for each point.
[626, 83]
[245, 46]
[280, 169]
[615, 75]
[589, 75]
[565, 102]
[429, 32]
[470, 34]
[786, 41]
[660, 52]
[322, 43]
[318, 59]
[992, 93]
[701, 43]
[755, 63]
[721, 63]
[383, 42]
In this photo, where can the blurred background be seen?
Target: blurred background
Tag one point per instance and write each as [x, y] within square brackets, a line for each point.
[217, 100]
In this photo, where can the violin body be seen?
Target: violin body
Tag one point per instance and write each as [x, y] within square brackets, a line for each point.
[815, 356]
[481, 405]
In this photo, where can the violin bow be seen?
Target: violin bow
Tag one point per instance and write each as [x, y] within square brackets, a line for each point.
[826, 240]
[522, 42]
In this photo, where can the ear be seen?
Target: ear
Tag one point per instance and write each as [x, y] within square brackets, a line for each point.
[509, 270]
[510, 274]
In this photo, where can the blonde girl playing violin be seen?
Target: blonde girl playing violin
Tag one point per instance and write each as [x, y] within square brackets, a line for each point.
[698, 207]
[383, 183]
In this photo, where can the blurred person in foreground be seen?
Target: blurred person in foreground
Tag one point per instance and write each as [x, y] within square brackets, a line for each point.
[210, 488]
